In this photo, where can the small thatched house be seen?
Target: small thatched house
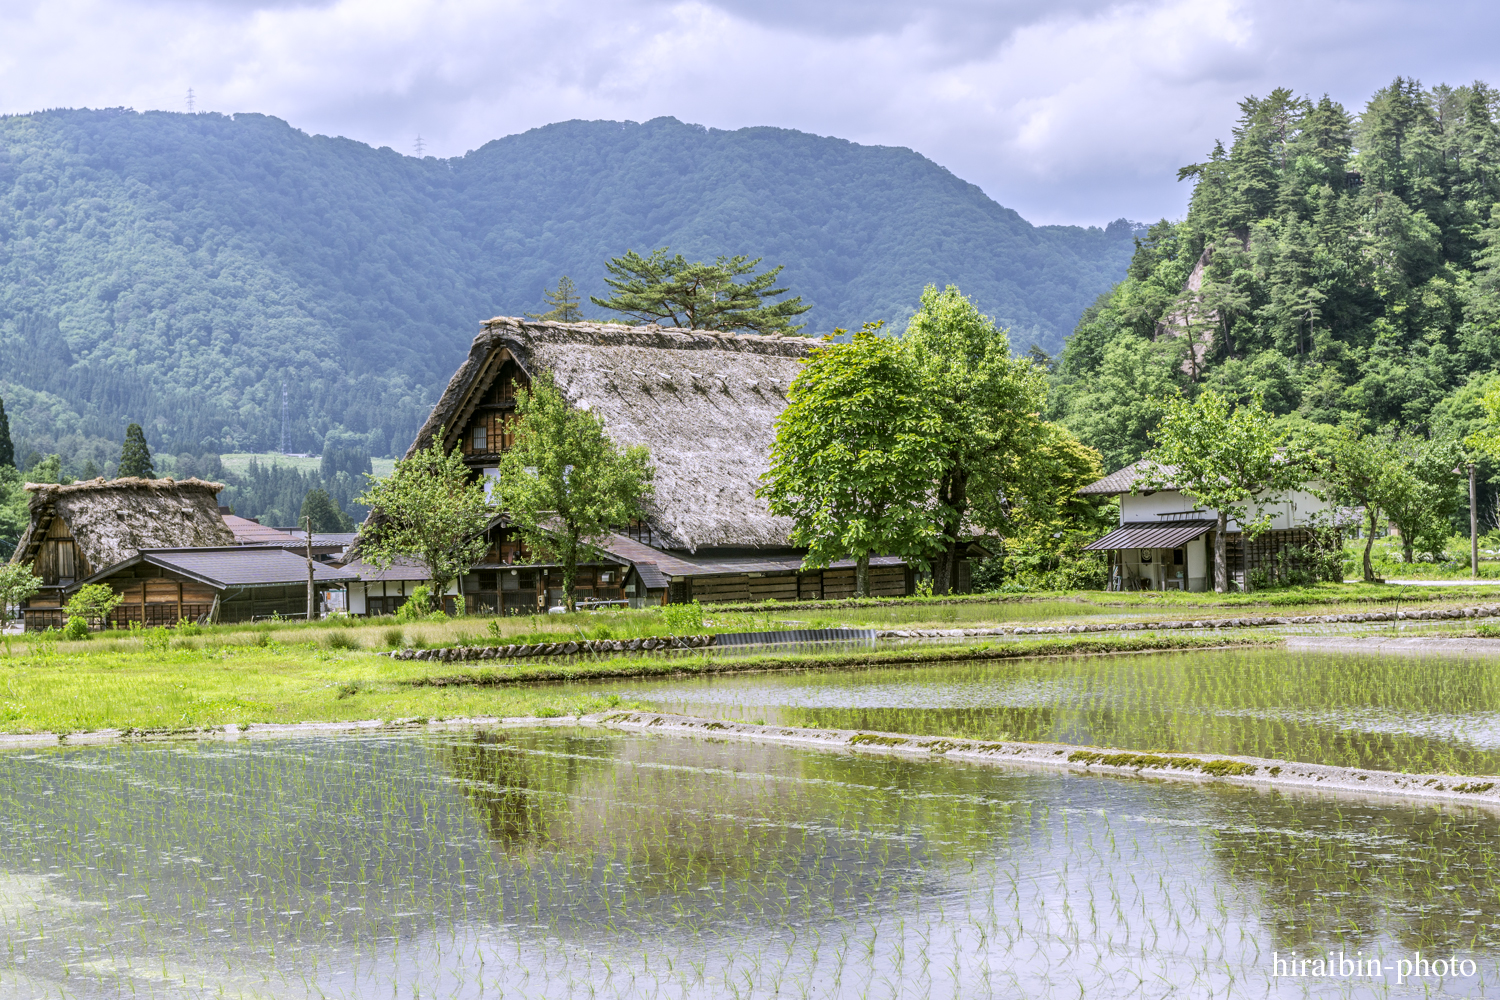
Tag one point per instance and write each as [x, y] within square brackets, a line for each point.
[704, 404]
[79, 529]
[163, 546]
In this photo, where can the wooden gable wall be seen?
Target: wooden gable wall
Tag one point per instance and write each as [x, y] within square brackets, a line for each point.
[59, 559]
[490, 427]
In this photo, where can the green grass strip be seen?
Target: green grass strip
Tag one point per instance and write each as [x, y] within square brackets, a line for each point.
[854, 660]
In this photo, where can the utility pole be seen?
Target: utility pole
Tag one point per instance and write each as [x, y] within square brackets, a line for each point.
[283, 417]
[190, 100]
[1473, 526]
[310, 590]
[419, 145]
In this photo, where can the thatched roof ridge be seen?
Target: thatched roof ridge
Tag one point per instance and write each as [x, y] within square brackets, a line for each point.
[112, 520]
[704, 403]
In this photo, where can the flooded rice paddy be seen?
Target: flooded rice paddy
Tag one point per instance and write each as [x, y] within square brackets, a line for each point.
[573, 863]
[1395, 713]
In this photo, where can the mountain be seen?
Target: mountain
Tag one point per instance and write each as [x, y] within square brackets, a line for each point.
[181, 269]
[1343, 267]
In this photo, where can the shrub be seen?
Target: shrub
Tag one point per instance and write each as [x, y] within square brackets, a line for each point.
[157, 639]
[93, 603]
[683, 619]
[394, 638]
[77, 628]
[416, 607]
[341, 640]
[188, 627]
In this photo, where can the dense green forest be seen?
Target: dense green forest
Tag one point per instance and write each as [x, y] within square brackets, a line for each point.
[1346, 267]
[178, 269]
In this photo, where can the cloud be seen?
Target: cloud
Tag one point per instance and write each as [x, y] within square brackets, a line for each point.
[1069, 111]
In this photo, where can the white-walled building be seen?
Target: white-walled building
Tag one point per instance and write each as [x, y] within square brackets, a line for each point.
[1165, 540]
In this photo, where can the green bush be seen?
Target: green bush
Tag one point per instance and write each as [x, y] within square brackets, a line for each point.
[77, 628]
[394, 638]
[341, 640]
[683, 619]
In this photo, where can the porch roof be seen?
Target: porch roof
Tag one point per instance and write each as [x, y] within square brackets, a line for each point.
[1151, 535]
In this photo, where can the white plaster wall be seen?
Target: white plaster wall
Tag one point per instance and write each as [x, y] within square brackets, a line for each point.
[1296, 509]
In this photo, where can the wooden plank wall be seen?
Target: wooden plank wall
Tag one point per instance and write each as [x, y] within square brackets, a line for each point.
[817, 585]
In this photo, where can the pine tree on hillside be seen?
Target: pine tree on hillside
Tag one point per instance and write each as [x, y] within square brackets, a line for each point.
[135, 457]
[7, 447]
[564, 301]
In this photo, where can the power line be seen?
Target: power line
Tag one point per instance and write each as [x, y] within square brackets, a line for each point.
[419, 145]
[190, 100]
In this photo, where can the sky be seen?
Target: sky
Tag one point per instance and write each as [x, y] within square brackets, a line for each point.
[1069, 111]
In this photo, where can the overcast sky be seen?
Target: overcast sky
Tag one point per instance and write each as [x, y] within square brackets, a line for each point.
[1074, 111]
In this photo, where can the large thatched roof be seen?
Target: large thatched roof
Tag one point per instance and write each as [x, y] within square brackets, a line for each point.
[704, 403]
[111, 521]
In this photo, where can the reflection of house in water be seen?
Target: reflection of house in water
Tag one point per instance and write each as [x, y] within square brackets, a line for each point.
[1165, 541]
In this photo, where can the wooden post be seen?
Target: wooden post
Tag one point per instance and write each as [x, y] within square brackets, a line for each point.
[310, 590]
[179, 600]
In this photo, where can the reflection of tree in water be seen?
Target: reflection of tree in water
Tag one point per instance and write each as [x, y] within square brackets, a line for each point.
[514, 789]
[723, 829]
[1352, 872]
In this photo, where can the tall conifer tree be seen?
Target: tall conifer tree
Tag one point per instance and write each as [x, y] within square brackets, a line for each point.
[7, 447]
[135, 457]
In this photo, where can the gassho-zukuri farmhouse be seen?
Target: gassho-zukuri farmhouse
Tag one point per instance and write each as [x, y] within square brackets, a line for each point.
[704, 404]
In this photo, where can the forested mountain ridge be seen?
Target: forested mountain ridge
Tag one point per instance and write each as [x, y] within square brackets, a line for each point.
[1347, 268]
[176, 269]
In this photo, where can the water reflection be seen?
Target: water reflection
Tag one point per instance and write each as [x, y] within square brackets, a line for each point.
[578, 863]
[1385, 712]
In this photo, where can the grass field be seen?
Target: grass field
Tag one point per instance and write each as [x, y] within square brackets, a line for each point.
[327, 671]
[238, 462]
[210, 681]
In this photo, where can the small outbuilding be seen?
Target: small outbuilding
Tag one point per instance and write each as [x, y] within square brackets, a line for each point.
[1165, 540]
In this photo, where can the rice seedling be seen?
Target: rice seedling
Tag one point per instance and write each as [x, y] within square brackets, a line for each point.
[573, 863]
[1361, 710]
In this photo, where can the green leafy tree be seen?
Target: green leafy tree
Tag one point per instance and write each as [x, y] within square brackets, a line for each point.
[1422, 492]
[983, 421]
[1358, 471]
[852, 464]
[325, 514]
[1225, 457]
[564, 301]
[699, 296]
[135, 457]
[7, 447]
[430, 508]
[17, 585]
[93, 603]
[564, 483]
[1050, 522]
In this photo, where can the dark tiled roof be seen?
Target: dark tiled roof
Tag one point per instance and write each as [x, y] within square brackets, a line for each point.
[1123, 480]
[651, 576]
[231, 566]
